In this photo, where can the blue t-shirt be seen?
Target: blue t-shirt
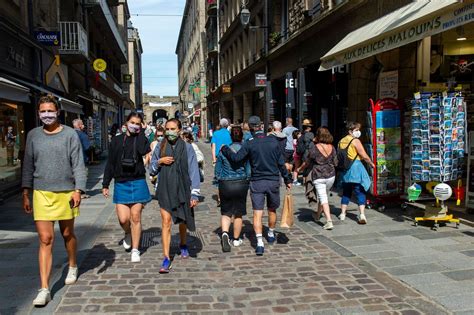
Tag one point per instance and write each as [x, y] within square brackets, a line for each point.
[221, 137]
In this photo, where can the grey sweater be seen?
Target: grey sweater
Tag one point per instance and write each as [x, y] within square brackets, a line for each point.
[54, 162]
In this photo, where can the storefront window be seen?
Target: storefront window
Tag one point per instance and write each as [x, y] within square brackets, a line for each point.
[13, 143]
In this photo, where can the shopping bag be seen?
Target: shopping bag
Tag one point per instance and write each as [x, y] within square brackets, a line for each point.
[287, 217]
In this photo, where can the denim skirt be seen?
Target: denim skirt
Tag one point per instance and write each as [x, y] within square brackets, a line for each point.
[132, 191]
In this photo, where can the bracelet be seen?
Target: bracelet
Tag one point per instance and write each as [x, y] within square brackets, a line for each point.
[78, 191]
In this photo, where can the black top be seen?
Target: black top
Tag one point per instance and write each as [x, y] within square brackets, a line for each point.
[114, 168]
[266, 160]
[322, 166]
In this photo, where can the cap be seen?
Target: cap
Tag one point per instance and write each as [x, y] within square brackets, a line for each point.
[254, 121]
[307, 122]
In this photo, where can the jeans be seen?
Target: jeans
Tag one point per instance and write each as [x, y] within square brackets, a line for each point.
[348, 188]
[323, 185]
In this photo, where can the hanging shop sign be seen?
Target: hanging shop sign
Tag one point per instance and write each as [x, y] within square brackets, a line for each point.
[290, 85]
[260, 80]
[99, 65]
[48, 38]
[411, 23]
[126, 78]
[226, 88]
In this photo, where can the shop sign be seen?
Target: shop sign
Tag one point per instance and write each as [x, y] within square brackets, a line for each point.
[388, 85]
[290, 85]
[190, 105]
[260, 80]
[411, 33]
[126, 78]
[197, 113]
[48, 38]
[226, 88]
[99, 65]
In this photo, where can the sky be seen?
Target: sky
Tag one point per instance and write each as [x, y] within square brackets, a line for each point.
[159, 35]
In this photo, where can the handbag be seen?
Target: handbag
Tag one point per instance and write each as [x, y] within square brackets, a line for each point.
[287, 216]
[129, 163]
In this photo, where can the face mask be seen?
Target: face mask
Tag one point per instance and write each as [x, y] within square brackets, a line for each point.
[124, 129]
[48, 118]
[133, 128]
[356, 134]
[171, 135]
[160, 138]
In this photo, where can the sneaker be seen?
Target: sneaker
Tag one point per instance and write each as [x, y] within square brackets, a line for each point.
[362, 219]
[296, 183]
[184, 252]
[342, 216]
[165, 266]
[238, 242]
[127, 241]
[328, 225]
[43, 297]
[271, 239]
[135, 256]
[259, 250]
[225, 242]
[71, 275]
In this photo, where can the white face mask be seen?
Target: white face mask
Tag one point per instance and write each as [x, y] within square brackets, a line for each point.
[356, 134]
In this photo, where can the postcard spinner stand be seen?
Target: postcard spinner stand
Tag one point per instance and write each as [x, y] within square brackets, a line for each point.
[437, 146]
[385, 133]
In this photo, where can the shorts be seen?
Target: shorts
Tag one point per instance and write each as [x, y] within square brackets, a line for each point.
[131, 192]
[53, 206]
[233, 196]
[323, 185]
[261, 189]
[289, 156]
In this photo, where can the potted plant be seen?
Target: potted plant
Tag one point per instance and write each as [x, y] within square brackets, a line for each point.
[274, 38]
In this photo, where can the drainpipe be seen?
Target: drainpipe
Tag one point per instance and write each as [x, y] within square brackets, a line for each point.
[268, 89]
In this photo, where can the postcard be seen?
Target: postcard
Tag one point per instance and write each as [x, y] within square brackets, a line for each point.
[426, 165]
[416, 162]
[435, 177]
[416, 168]
[448, 124]
[416, 140]
[435, 162]
[425, 176]
[416, 176]
[435, 148]
[425, 155]
[435, 139]
[435, 170]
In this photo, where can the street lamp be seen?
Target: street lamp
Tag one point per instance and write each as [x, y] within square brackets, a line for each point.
[245, 16]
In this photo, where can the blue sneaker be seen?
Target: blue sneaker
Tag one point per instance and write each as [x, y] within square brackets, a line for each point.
[259, 250]
[271, 239]
[184, 251]
[165, 266]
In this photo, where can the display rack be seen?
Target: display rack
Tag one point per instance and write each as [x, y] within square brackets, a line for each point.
[385, 134]
[470, 173]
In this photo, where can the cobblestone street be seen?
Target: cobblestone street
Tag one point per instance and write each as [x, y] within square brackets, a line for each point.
[305, 273]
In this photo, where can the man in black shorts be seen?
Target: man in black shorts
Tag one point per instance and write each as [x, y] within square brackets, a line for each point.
[267, 164]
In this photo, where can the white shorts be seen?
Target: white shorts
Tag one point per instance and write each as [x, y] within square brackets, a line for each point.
[323, 185]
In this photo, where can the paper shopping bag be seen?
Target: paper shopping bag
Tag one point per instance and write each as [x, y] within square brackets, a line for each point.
[287, 218]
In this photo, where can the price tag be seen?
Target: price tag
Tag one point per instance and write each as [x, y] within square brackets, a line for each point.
[417, 95]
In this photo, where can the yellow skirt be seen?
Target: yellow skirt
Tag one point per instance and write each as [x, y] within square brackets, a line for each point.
[53, 206]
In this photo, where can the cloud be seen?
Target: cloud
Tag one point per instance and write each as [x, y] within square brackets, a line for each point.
[159, 35]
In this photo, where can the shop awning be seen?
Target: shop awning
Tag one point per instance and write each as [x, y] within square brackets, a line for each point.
[10, 90]
[65, 104]
[70, 106]
[410, 23]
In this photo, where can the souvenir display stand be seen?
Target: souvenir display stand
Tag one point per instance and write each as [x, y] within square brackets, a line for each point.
[385, 134]
[470, 173]
[438, 135]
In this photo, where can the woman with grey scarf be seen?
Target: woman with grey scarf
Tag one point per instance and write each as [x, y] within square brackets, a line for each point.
[175, 163]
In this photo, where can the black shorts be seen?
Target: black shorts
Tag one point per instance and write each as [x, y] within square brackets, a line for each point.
[233, 196]
[289, 156]
[260, 189]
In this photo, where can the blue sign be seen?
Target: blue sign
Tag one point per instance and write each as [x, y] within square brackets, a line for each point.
[48, 38]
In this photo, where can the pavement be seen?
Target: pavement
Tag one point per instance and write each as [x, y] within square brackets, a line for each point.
[385, 267]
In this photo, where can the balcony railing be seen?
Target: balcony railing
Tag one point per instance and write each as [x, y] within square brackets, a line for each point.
[73, 39]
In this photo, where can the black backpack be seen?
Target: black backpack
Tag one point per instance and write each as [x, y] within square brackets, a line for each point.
[343, 161]
[301, 145]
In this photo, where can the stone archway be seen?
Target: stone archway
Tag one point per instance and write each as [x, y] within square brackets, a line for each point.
[159, 113]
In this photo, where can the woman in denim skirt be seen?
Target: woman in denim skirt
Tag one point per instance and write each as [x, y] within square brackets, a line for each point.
[125, 166]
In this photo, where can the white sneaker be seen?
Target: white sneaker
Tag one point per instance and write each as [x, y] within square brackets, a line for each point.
[127, 241]
[328, 225]
[342, 216]
[71, 275]
[238, 242]
[43, 297]
[296, 183]
[135, 255]
[362, 219]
